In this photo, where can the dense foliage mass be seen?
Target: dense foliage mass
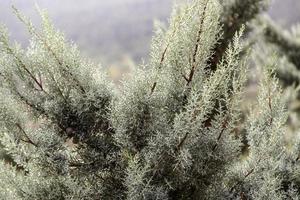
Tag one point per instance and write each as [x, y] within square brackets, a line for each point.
[174, 130]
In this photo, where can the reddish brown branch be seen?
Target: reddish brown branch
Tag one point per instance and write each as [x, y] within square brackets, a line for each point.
[164, 55]
[185, 78]
[194, 57]
[249, 173]
[153, 88]
[40, 79]
[160, 64]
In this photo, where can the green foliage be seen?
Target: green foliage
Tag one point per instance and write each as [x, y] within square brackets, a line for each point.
[172, 131]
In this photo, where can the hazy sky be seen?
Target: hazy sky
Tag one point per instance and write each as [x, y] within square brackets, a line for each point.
[102, 29]
[107, 29]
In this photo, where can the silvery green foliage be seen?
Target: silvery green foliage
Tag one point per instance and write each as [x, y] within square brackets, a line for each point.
[262, 175]
[151, 98]
[286, 44]
[170, 132]
[69, 98]
[286, 41]
[235, 14]
[191, 156]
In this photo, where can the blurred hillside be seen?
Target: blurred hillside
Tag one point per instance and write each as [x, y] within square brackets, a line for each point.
[113, 31]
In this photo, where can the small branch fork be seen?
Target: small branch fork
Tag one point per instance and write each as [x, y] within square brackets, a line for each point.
[22, 65]
[28, 140]
[250, 172]
[224, 126]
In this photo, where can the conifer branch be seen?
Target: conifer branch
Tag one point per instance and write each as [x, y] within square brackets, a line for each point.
[22, 65]
[162, 59]
[194, 57]
[47, 46]
[178, 140]
[60, 62]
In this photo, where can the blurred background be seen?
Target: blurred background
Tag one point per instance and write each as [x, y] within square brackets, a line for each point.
[115, 32]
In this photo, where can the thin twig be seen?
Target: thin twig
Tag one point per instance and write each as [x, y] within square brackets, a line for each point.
[22, 64]
[251, 171]
[185, 78]
[57, 87]
[160, 64]
[25, 134]
[181, 143]
[153, 88]
[60, 62]
[163, 56]
[270, 104]
[224, 126]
